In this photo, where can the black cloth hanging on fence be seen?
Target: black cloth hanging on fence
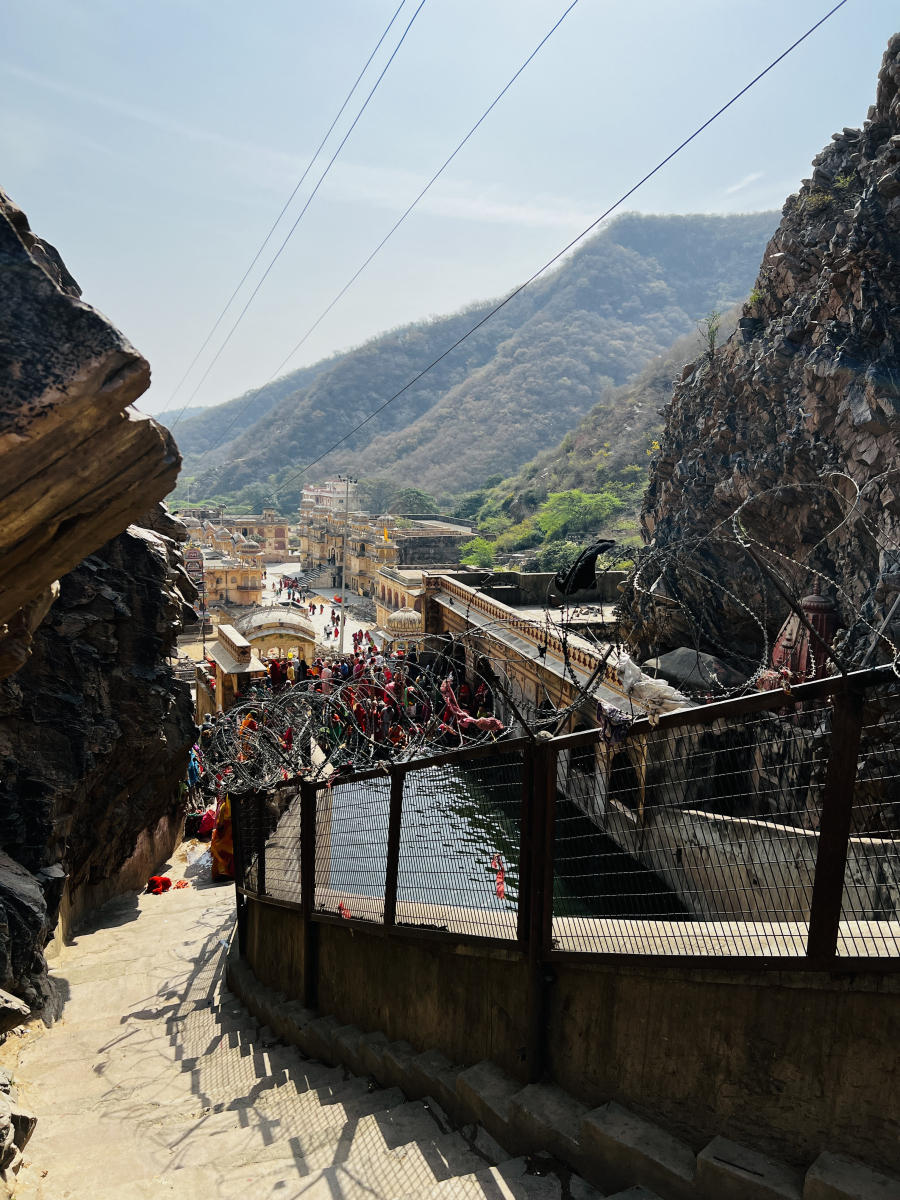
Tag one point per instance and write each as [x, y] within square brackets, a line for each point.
[582, 573]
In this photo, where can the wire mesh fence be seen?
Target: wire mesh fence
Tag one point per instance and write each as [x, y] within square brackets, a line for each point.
[870, 905]
[698, 837]
[351, 849]
[460, 836]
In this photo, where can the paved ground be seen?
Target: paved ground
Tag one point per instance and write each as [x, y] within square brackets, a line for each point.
[157, 1083]
[194, 649]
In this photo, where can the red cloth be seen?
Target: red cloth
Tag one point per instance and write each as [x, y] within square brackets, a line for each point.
[157, 884]
[500, 881]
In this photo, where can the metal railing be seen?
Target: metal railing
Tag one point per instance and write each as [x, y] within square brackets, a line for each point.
[760, 831]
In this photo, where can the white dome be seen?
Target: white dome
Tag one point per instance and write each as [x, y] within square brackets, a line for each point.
[405, 620]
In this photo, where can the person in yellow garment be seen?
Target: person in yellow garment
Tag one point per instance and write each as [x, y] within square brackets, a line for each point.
[222, 846]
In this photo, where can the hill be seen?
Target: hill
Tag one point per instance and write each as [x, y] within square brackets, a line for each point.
[200, 428]
[514, 387]
[594, 479]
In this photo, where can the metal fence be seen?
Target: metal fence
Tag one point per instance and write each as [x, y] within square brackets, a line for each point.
[764, 828]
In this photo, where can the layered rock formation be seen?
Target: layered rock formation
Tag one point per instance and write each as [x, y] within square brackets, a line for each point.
[76, 463]
[94, 728]
[808, 386]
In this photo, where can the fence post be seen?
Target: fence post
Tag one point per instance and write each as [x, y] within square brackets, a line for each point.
[540, 901]
[526, 847]
[308, 795]
[237, 817]
[392, 870]
[834, 824]
[261, 843]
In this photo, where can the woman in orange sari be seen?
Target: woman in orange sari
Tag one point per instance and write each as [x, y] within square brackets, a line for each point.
[222, 846]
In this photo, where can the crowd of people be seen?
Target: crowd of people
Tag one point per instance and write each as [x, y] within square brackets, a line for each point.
[387, 700]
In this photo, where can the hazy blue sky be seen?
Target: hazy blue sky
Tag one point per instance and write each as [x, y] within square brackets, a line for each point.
[154, 144]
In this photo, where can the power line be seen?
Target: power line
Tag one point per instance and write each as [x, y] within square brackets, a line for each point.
[389, 234]
[302, 212]
[281, 214]
[565, 249]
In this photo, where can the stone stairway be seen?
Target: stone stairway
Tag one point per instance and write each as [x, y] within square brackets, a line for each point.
[159, 1081]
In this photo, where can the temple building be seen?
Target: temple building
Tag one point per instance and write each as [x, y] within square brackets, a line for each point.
[276, 632]
[226, 672]
[268, 530]
[375, 542]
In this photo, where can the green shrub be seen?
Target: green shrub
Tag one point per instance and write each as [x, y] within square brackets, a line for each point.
[558, 556]
[479, 552]
[520, 537]
[576, 511]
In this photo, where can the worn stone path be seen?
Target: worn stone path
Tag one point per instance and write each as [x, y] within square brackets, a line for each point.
[157, 1082]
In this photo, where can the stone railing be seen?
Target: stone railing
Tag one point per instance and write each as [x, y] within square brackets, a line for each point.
[578, 655]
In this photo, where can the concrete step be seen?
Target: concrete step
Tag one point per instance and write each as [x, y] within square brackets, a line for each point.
[509, 1181]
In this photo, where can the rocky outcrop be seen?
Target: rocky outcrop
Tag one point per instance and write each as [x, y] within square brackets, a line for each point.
[76, 462]
[94, 728]
[94, 734]
[797, 418]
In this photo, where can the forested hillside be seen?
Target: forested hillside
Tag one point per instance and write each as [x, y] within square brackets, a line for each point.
[196, 430]
[514, 388]
[593, 480]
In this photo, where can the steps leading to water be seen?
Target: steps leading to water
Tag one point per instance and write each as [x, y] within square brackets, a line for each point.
[608, 1148]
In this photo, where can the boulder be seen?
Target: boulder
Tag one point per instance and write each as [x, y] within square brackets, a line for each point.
[77, 463]
[693, 670]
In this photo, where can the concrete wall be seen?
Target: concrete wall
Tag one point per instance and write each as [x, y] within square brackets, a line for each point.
[470, 1004]
[788, 1063]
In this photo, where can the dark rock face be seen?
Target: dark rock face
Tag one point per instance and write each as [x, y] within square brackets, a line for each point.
[77, 464]
[94, 734]
[808, 385]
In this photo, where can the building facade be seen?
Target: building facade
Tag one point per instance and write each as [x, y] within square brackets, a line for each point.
[276, 632]
[334, 495]
[270, 531]
[374, 543]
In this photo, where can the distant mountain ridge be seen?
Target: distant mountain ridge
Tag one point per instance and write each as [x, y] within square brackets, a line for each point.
[514, 388]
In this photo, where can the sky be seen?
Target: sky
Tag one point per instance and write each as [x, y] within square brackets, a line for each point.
[155, 143]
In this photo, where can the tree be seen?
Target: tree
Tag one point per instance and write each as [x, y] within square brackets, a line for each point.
[468, 504]
[574, 512]
[414, 502]
[708, 328]
[376, 495]
[558, 556]
[477, 553]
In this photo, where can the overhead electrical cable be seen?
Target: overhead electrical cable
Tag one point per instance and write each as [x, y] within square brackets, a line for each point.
[390, 232]
[302, 212]
[277, 221]
[574, 242]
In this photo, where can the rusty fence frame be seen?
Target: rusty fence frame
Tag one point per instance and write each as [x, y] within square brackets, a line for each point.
[534, 926]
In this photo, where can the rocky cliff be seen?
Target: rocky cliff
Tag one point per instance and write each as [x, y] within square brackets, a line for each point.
[76, 462]
[94, 734]
[94, 728]
[796, 418]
